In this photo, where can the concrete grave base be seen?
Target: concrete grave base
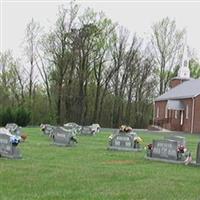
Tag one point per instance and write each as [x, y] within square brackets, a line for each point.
[165, 160]
[15, 154]
[123, 149]
[195, 164]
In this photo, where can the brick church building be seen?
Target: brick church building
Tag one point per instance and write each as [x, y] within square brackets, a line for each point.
[179, 108]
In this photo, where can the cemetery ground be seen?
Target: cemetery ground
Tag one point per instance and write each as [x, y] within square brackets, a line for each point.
[90, 171]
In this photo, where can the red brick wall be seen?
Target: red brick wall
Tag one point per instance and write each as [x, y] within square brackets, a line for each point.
[187, 122]
[173, 123]
[196, 128]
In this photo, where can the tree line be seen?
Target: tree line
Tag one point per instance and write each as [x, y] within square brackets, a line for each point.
[88, 69]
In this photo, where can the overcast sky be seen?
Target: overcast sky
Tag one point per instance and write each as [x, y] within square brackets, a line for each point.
[136, 16]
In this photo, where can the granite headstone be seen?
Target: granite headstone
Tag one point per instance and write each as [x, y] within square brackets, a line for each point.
[165, 149]
[198, 154]
[63, 137]
[7, 148]
[124, 141]
[87, 130]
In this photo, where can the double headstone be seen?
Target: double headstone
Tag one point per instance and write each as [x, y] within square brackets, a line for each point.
[63, 137]
[124, 142]
[8, 147]
[165, 150]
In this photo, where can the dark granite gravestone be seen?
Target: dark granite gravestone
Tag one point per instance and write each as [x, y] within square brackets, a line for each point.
[198, 154]
[63, 137]
[13, 129]
[87, 130]
[124, 141]
[179, 139]
[7, 148]
[165, 149]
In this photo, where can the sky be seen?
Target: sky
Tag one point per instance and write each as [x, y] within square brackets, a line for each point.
[136, 16]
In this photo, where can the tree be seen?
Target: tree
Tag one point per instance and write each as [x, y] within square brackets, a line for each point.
[167, 42]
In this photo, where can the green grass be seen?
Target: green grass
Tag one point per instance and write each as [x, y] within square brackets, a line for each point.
[90, 171]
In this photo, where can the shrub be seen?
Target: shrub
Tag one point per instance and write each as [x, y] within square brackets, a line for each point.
[20, 116]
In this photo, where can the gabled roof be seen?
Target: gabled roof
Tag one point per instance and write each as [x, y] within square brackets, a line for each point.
[187, 89]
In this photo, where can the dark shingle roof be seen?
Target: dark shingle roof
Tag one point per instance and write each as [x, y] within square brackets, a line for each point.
[188, 89]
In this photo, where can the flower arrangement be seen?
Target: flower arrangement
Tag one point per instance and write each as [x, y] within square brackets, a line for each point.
[181, 150]
[15, 140]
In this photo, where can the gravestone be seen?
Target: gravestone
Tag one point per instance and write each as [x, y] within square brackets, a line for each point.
[8, 148]
[73, 126]
[13, 129]
[165, 149]
[124, 142]
[198, 154]
[96, 128]
[180, 140]
[63, 137]
[47, 129]
[87, 130]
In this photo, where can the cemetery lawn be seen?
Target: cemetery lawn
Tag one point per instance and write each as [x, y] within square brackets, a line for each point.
[89, 172]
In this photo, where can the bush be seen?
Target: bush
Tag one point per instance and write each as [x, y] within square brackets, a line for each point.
[20, 116]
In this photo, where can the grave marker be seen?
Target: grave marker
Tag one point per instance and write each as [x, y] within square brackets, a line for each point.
[165, 149]
[87, 130]
[8, 147]
[198, 154]
[63, 137]
[124, 141]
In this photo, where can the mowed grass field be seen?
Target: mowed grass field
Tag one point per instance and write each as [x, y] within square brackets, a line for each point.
[89, 171]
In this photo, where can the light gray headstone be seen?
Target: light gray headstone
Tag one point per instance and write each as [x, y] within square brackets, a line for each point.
[7, 149]
[63, 137]
[87, 130]
[165, 149]
[48, 130]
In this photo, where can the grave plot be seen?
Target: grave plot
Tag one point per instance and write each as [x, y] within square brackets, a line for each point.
[167, 150]
[63, 137]
[124, 141]
[9, 145]
[13, 129]
[87, 130]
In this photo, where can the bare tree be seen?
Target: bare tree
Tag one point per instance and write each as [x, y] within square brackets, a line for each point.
[167, 43]
[31, 44]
